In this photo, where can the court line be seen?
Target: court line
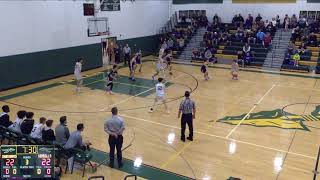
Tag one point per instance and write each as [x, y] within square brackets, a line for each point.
[220, 137]
[117, 83]
[254, 107]
[127, 99]
[172, 158]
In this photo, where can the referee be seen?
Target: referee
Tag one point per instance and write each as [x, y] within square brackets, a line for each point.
[188, 110]
[115, 127]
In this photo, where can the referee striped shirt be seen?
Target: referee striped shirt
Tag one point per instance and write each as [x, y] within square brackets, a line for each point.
[187, 106]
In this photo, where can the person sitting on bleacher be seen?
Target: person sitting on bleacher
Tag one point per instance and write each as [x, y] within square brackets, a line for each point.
[27, 124]
[302, 23]
[235, 20]
[296, 59]
[248, 23]
[258, 18]
[225, 39]
[38, 128]
[296, 34]
[260, 36]
[246, 49]
[271, 29]
[312, 40]
[247, 58]
[239, 36]
[215, 38]
[287, 59]
[249, 36]
[16, 125]
[291, 47]
[303, 49]
[48, 133]
[267, 41]
[4, 117]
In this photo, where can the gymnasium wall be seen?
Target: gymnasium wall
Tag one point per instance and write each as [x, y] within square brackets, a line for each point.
[228, 9]
[40, 40]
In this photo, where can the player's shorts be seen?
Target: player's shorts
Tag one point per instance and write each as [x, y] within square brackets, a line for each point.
[78, 76]
[160, 98]
[138, 61]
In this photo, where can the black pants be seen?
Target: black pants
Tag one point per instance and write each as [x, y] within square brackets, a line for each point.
[110, 85]
[186, 119]
[115, 143]
[127, 59]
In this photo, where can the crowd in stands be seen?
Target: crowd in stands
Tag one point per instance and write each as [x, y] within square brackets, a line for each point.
[43, 131]
[303, 31]
[177, 39]
[246, 31]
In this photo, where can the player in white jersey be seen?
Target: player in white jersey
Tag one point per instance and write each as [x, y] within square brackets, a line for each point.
[160, 95]
[133, 66]
[77, 73]
[38, 128]
[159, 67]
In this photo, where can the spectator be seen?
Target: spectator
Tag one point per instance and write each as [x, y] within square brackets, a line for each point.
[287, 59]
[246, 48]
[216, 19]
[170, 44]
[250, 36]
[303, 49]
[267, 41]
[249, 21]
[235, 20]
[286, 22]
[62, 131]
[258, 18]
[291, 48]
[27, 124]
[278, 20]
[274, 22]
[293, 21]
[302, 23]
[195, 53]
[296, 59]
[181, 44]
[247, 58]
[38, 128]
[312, 40]
[75, 139]
[260, 36]
[296, 34]
[16, 125]
[4, 116]
[215, 38]
[225, 39]
[48, 133]
[240, 20]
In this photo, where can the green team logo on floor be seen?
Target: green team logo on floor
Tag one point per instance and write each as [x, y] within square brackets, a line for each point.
[275, 118]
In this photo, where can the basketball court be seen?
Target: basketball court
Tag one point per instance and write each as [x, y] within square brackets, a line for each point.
[263, 126]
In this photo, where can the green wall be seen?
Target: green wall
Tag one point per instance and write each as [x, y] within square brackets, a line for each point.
[29, 68]
[24, 69]
[148, 44]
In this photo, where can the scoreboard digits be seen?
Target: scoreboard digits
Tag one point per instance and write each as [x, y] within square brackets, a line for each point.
[27, 161]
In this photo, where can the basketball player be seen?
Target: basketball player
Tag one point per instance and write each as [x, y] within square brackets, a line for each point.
[77, 73]
[234, 70]
[110, 77]
[160, 95]
[138, 60]
[133, 66]
[168, 59]
[38, 128]
[204, 70]
[159, 67]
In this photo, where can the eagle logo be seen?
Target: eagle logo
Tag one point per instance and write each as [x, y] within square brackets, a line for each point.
[275, 118]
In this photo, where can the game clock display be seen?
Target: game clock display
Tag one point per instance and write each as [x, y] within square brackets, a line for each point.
[27, 161]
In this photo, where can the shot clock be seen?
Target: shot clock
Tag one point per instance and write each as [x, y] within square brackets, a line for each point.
[27, 161]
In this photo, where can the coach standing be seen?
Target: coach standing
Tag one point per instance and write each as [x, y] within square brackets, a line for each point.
[127, 52]
[115, 127]
[188, 110]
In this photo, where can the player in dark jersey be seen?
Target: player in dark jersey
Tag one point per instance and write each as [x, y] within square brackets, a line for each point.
[168, 59]
[204, 70]
[133, 66]
[110, 77]
[138, 60]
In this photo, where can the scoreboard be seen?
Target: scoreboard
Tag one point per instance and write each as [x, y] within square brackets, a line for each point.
[27, 161]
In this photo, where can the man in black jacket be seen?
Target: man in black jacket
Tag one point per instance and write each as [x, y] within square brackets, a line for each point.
[4, 116]
[27, 124]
